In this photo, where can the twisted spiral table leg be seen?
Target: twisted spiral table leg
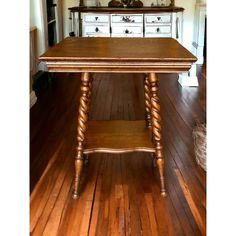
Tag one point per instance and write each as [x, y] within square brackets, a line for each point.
[82, 126]
[147, 96]
[156, 128]
[86, 156]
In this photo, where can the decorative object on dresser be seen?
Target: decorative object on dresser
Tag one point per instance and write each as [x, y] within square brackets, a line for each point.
[125, 2]
[115, 3]
[163, 3]
[135, 3]
[172, 3]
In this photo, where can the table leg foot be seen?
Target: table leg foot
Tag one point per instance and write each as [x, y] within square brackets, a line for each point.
[160, 164]
[163, 193]
[78, 170]
[75, 196]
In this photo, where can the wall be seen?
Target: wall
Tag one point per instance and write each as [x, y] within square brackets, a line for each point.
[188, 17]
[36, 20]
[66, 22]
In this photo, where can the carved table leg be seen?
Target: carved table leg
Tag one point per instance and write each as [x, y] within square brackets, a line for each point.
[82, 125]
[86, 157]
[147, 95]
[156, 128]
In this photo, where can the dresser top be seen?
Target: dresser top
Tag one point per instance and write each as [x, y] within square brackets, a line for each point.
[126, 9]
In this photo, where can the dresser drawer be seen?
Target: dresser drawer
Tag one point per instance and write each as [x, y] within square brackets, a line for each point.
[158, 18]
[96, 31]
[159, 29]
[126, 18]
[127, 30]
[95, 18]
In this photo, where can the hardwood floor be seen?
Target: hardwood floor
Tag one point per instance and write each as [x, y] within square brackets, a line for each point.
[120, 194]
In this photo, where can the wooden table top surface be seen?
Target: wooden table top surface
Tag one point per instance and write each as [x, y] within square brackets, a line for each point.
[141, 49]
[131, 55]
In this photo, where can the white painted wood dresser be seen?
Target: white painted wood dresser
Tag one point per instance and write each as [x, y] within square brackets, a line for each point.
[127, 22]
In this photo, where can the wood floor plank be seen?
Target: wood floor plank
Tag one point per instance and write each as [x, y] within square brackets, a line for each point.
[54, 219]
[116, 201]
[56, 184]
[189, 172]
[163, 214]
[180, 197]
[191, 203]
[103, 214]
[178, 206]
[133, 204]
[43, 190]
[97, 202]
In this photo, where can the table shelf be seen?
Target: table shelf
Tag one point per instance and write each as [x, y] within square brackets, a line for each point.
[118, 136]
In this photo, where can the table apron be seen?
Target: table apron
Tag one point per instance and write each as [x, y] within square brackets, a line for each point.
[120, 69]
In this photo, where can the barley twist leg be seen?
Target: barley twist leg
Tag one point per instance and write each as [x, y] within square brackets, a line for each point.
[147, 96]
[81, 129]
[156, 128]
[86, 156]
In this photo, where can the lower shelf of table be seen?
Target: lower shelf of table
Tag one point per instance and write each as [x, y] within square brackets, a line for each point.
[118, 136]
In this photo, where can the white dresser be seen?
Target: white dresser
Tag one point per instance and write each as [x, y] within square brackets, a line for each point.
[140, 22]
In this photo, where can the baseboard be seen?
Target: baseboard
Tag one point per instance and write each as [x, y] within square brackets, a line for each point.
[33, 98]
[188, 81]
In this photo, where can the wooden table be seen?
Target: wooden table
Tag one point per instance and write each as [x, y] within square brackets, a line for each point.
[119, 55]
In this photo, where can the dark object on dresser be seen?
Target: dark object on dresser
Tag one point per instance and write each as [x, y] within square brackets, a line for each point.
[115, 3]
[135, 3]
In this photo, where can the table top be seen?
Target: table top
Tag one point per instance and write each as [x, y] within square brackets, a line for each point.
[75, 54]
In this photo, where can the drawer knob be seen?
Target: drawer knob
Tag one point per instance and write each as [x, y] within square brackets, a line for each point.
[127, 19]
[126, 31]
[158, 29]
[96, 18]
[158, 18]
[96, 29]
